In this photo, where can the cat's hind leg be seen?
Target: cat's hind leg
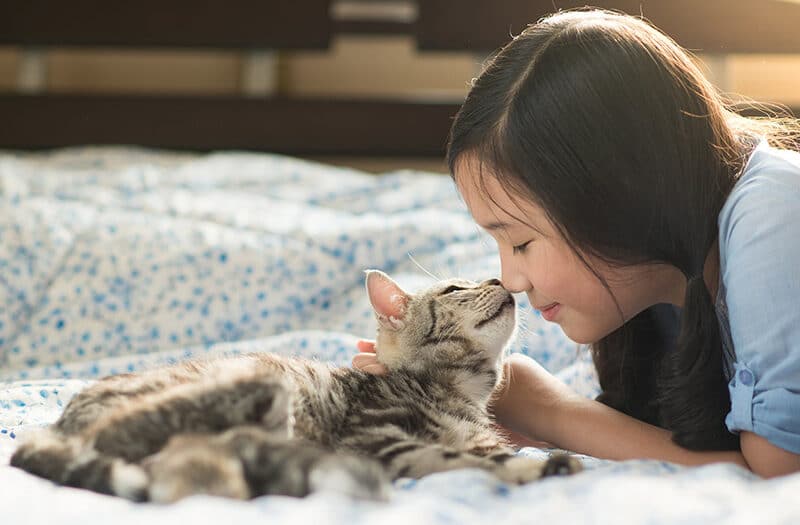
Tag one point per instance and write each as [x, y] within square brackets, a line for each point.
[192, 464]
[68, 461]
[207, 407]
[247, 461]
[274, 465]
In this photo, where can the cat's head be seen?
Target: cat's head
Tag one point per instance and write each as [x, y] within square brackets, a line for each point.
[453, 324]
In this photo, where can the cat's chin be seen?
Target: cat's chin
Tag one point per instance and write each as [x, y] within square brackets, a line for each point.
[500, 337]
[389, 354]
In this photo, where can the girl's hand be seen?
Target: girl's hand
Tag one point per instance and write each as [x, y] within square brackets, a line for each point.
[366, 360]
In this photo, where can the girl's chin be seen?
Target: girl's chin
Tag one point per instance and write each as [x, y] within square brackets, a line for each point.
[583, 337]
[576, 338]
[574, 332]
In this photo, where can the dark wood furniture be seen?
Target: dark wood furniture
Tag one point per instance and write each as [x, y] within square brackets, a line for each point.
[310, 127]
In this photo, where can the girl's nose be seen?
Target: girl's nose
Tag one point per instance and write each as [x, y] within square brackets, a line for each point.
[514, 283]
[512, 279]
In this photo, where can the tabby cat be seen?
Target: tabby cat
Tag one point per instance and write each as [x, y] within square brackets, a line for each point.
[259, 424]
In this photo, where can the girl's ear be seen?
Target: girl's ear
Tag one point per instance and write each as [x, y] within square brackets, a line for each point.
[387, 298]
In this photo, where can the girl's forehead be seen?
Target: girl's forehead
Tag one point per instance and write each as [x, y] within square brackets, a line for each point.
[489, 200]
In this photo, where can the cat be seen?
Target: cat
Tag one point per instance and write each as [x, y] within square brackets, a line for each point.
[259, 423]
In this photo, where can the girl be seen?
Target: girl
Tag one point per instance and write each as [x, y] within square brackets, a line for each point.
[616, 183]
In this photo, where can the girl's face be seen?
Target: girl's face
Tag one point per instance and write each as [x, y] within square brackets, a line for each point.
[536, 260]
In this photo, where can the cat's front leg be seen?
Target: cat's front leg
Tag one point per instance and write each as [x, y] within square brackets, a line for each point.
[521, 469]
[145, 428]
[417, 459]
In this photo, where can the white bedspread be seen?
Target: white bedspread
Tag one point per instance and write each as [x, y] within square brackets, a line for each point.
[118, 259]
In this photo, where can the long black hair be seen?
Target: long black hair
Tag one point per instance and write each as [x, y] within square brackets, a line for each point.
[610, 127]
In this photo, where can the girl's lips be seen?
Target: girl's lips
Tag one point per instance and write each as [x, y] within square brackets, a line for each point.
[550, 311]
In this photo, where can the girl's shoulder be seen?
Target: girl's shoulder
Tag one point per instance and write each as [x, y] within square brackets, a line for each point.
[768, 169]
[768, 189]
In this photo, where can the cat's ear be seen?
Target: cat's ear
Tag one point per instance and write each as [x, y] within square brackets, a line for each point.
[387, 298]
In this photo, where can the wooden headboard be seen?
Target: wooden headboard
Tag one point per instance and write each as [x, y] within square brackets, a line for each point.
[311, 126]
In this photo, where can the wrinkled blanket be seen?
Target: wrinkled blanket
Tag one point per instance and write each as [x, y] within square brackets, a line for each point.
[118, 259]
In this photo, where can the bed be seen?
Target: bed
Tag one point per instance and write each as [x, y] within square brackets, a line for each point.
[118, 258]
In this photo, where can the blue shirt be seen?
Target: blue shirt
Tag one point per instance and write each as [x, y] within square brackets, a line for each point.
[758, 302]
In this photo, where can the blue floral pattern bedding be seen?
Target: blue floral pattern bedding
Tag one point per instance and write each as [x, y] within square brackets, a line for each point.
[117, 259]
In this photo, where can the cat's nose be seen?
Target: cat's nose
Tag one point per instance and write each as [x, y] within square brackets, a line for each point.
[492, 282]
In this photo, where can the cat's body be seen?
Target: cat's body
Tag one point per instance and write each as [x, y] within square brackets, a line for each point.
[260, 423]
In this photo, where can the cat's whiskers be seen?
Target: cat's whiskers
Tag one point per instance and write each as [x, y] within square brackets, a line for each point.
[525, 330]
[418, 265]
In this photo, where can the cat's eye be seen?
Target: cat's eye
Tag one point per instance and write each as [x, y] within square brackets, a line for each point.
[450, 289]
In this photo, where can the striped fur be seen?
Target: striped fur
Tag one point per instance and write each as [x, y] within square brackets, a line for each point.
[263, 424]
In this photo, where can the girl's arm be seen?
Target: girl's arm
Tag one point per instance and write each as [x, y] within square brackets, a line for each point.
[766, 459]
[535, 406]
[538, 405]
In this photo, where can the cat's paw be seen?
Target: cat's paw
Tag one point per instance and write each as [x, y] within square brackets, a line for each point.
[561, 465]
[44, 453]
[128, 481]
[352, 476]
[519, 470]
[193, 466]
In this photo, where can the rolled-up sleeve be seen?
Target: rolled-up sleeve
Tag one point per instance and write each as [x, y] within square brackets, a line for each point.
[760, 269]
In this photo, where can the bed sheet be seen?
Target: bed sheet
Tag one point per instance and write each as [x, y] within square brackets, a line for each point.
[118, 259]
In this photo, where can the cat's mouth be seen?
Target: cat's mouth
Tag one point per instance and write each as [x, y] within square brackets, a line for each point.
[508, 302]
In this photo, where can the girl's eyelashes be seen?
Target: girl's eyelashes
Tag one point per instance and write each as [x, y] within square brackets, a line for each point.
[520, 248]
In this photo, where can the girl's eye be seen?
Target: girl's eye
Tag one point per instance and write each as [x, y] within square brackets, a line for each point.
[520, 248]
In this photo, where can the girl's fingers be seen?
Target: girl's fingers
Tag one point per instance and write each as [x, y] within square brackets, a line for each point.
[363, 359]
[368, 362]
[364, 345]
[377, 369]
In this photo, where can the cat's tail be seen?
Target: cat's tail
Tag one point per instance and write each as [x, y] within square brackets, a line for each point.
[69, 461]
